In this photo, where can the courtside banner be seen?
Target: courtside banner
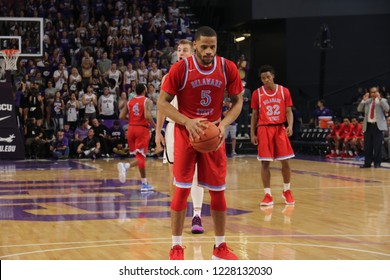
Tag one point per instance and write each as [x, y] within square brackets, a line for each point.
[199, 270]
[11, 141]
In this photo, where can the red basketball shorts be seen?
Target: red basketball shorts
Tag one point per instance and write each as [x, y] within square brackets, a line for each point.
[211, 166]
[273, 143]
[138, 138]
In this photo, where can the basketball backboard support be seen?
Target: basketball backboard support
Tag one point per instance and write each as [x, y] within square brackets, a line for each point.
[24, 33]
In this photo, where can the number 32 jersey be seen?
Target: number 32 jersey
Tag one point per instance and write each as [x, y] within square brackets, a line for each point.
[200, 90]
[271, 104]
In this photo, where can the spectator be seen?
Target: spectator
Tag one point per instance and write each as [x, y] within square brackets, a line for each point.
[107, 105]
[89, 147]
[129, 75]
[87, 64]
[35, 142]
[49, 98]
[74, 78]
[59, 148]
[116, 139]
[90, 102]
[79, 95]
[155, 76]
[142, 73]
[243, 118]
[69, 134]
[58, 112]
[153, 96]
[104, 65]
[35, 104]
[297, 123]
[96, 80]
[60, 76]
[320, 111]
[243, 67]
[101, 132]
[72, 111]
[114, 74]
[122, 101]
[81, 132]
[231, 130]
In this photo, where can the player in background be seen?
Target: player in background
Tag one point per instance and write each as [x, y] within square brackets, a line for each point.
[354, 140]
[271, 108]
[199, 83]
[138, 110]
[184, 49]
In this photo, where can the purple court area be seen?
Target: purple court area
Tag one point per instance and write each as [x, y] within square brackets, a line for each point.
[27, 165]
[89, 199]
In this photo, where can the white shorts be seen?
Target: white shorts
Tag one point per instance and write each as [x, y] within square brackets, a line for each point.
[169, 142]
[231, 129]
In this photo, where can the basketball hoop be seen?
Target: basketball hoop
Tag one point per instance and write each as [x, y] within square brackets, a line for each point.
[10, 57]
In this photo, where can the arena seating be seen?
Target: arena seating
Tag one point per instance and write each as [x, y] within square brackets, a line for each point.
[312, 141]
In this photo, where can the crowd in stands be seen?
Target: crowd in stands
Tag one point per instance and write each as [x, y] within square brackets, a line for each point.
[95, 52]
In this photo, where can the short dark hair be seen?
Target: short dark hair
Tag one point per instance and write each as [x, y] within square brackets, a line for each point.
[266, 68]
[205, 31]
[139, 89]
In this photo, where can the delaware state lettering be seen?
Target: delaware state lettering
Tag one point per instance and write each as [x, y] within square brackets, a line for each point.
[272, 99]
[204, 112]
[206, 82]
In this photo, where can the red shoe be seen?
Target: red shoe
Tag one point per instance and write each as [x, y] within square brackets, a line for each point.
[333, 155]
[177, 253]
[267, 201]
[288, 199]
[222, 252]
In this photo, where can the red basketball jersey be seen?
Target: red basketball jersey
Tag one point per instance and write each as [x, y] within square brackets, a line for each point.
[356, 131]
[345, 130]
[136, 109]
[271, 104]
[200, 90]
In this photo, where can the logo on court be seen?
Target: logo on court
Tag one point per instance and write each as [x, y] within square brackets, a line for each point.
[77, 200]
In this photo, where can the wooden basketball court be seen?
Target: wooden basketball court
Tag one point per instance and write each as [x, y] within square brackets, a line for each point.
[78, 210]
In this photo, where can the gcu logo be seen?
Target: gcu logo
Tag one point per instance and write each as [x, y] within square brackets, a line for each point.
[6, 107]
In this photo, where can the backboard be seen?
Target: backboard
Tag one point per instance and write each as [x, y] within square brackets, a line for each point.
[23, 33]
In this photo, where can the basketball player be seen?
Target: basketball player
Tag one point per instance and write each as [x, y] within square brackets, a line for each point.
[271, 107]
[199, 83]
[184, 50]
[138, 134]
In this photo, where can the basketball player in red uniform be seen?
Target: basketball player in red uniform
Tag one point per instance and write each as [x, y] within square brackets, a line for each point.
[184, 50]
[199, 83]
[354, 140]
[271, 108]
[138, 135]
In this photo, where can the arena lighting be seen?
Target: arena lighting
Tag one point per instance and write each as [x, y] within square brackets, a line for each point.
[242, 37]
[239, 39]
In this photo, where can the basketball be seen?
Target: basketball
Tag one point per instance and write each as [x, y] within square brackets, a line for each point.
[209, 141]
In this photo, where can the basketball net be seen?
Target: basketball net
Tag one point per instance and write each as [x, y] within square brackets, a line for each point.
[10, 57]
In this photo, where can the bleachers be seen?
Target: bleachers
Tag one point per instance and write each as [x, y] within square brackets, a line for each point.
[311, 141]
